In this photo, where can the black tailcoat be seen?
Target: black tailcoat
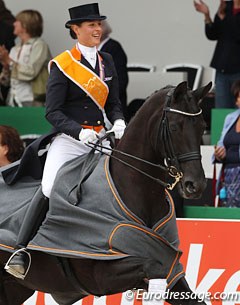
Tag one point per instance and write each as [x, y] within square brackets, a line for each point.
[68, 106]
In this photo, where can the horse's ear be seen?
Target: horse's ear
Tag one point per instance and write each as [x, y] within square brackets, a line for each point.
[202, 92]
[180, 90]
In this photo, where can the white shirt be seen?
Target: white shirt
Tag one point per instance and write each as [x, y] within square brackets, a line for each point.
[90, 53]
[21, 90]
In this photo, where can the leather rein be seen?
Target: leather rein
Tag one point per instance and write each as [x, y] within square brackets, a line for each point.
[163, 134]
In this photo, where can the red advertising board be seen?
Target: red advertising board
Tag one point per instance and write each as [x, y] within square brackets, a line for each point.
[211, 257]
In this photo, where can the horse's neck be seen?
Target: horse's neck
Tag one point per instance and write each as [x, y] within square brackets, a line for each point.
[140, 194]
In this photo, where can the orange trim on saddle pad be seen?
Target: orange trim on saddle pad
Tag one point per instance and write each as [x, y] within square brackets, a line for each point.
[154, 233]
[128, 212]
[177, 256]
[7, 247]
[67, 251]
[82, 76]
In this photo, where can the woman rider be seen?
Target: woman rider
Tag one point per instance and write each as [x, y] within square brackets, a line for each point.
[82, 86]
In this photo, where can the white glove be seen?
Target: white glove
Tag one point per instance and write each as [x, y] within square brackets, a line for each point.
[87, 135]
[118, 128]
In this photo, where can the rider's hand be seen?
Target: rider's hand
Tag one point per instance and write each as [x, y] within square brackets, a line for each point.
[87, 135]
[118, 128]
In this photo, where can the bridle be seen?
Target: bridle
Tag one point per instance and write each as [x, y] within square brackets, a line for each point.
[164, 135]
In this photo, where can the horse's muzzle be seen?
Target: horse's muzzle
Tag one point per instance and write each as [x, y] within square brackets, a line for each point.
[192, 189]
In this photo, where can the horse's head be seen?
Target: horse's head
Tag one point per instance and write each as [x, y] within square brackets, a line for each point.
[165, 135]
[177, 137]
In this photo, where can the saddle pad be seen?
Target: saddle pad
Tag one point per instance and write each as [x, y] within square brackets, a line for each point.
[89, 220]
[138, 241]
[14, 201]
[96, 224]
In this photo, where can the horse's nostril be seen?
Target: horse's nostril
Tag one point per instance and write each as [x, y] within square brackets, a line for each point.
[190, 187]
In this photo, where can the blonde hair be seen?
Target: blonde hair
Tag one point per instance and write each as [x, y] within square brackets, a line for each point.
[32, 21]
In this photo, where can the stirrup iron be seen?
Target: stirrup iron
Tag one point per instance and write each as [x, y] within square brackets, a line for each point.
[12, 271]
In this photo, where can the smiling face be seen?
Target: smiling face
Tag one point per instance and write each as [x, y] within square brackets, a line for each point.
[88, 33]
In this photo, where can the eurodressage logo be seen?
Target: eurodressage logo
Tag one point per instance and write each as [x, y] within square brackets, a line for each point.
[142, 295]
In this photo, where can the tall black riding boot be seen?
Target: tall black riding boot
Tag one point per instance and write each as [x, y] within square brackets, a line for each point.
[19, 262]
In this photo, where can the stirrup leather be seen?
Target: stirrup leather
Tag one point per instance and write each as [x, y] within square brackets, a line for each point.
[12, 271]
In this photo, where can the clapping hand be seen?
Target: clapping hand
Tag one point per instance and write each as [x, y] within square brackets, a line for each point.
[236, 3]
[201, 7]
[220, 153]
[4, 56]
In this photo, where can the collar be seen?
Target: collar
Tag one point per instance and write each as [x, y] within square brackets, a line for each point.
[20, 44]
[30, 41]
[86, 50]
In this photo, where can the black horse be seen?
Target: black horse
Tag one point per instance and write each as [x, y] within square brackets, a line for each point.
[160, 149]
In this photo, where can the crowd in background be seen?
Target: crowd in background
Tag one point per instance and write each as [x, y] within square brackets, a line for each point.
[225, 30]
[24, 66]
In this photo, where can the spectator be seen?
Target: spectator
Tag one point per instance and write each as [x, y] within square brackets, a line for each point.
[113, 47]
[26, 64]
[227, 151]
[7, 39]
[225, 29]
[11, 145]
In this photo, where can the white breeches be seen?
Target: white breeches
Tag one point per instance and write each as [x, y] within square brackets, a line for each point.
[63, 148]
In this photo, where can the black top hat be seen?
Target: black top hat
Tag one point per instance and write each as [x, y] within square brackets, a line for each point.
[83, 13]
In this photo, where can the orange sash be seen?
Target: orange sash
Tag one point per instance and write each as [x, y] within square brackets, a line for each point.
[82, 76]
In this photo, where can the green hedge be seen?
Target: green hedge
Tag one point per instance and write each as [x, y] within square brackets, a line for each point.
[217, 120]
[211, 212]
[27, 120]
